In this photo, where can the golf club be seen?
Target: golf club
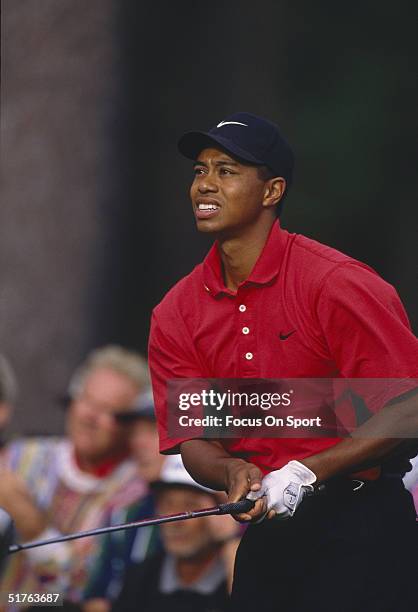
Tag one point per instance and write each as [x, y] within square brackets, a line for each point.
[7, 547]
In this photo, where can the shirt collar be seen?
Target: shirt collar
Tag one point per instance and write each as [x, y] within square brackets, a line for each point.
[105, 467]
[266, 268]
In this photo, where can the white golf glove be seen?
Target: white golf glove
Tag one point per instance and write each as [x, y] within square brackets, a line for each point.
[285, 489]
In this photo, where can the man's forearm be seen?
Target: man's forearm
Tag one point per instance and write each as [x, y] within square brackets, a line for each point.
[206, 461]
[350, 455]
[15, 498]
[211, 465]
[371, 442]
[29, 520]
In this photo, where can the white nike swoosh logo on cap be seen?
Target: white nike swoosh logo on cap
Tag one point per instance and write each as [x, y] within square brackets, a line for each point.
[230, 123]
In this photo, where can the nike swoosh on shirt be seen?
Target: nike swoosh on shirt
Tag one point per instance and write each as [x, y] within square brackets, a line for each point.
[230, 123]
[283, 336]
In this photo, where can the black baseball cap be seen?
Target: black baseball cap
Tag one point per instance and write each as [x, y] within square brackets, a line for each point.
[249, 138]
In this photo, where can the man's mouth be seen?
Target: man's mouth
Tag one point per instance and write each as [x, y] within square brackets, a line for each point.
[206, 210]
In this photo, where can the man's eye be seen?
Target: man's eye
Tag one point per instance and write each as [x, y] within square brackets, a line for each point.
[198, 171]
[226, 171]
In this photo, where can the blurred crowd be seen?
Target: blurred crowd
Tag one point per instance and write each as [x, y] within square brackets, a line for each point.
[106, 470]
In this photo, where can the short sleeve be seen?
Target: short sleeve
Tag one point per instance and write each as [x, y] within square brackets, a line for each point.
[366, 329]
[171, 355]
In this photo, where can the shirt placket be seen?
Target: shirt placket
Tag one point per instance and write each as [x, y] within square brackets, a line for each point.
[248, 355]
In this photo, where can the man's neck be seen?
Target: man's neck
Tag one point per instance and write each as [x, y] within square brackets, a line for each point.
[99, 466]
[239, 253]
[190, 570]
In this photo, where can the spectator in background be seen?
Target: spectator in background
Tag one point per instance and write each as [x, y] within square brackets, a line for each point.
[193, 572]
[8, 394]
[71, 484]
[411, 481]
[120, 549]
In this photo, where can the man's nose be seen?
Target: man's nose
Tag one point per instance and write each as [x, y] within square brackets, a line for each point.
[87, 410]
[207, 184]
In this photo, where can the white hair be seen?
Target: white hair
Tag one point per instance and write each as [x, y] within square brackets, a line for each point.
[129, 363]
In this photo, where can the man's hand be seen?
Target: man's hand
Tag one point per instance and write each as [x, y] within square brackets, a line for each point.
[285, 489]
[210, 464]
[16, 499]
[241, 479]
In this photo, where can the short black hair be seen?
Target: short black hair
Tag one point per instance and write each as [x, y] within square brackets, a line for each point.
[265, 174]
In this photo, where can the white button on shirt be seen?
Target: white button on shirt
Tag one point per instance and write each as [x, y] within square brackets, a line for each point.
[248, 356]
[245, 330]
[242, 308]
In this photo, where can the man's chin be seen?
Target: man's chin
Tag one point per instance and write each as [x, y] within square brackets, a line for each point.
[89, 455]
[185, 554]
[209, 226]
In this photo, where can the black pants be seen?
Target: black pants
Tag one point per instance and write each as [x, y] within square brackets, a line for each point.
[343, 551]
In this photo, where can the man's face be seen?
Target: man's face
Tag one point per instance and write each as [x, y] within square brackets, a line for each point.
[95, 433]
[185, 539]
[144, 447]
[227, 195]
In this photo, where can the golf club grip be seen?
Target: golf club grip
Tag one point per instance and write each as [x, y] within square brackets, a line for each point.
[244, 505]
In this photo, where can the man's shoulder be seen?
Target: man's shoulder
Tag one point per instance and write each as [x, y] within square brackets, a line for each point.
[35, 447]
[315, 271]
[36, 460]
[182, 293]
[323, 255]
[331, 278]
[317, 261]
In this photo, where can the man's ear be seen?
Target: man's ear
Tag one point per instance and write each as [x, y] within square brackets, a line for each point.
[274, 191]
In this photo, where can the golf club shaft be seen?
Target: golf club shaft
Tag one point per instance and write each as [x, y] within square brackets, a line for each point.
[229, 508]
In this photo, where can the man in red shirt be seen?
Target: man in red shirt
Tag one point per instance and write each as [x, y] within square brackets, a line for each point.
[269, 304]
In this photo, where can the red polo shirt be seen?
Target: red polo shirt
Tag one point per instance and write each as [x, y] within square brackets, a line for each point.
[341, 319]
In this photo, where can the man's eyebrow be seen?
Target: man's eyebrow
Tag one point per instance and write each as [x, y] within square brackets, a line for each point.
[221, 162]
[228, 162]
